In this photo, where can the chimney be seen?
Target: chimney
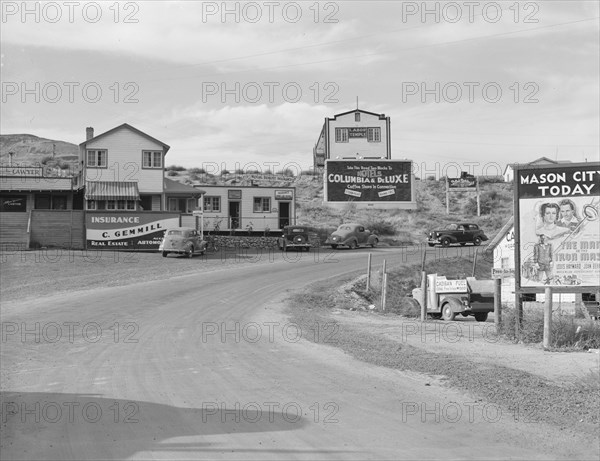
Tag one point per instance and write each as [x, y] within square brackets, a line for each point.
[89, 133]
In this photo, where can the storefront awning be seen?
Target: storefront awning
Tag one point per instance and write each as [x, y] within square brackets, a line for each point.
[111, 190]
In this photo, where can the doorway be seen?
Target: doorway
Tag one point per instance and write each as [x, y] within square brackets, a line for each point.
[284, 214]
[234, 215]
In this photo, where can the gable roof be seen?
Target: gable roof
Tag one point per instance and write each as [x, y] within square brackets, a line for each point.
[381, 116]
[175, 187]
[166, 147]
[537, 161]
[500, 235]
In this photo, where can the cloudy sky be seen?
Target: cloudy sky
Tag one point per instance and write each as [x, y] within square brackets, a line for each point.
[477, 84]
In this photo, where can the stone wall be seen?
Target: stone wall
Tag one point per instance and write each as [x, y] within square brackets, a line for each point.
[237, 241]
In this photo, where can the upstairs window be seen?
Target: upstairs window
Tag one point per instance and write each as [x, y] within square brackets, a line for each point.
[152, 159]
[357, 116]
[341, 135]
[96, 158]
[374, 134]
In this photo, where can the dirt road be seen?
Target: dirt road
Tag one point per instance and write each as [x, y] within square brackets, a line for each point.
[205, 366]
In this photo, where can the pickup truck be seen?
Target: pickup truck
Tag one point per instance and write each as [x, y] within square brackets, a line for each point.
[447, 298]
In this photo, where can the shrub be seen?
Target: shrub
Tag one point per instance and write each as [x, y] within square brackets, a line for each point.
[175, 168]
[172, 173]
[381, 227]
[197, 171]
[566, 330]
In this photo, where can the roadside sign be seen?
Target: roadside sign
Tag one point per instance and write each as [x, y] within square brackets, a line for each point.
[198, 213]
[442, 285]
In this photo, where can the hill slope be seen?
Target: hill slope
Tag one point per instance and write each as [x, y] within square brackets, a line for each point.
[33, 150]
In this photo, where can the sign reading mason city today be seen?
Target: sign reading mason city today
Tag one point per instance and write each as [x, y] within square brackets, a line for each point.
[370, 183]
[558, 217]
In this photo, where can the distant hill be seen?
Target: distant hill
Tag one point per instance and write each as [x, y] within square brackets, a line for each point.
[33, 150]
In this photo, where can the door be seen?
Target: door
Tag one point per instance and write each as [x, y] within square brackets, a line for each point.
[284, 214]
[234, 215]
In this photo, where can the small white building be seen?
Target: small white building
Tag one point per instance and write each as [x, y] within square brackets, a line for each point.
[509, 172]
[248, 208]
[503, 247]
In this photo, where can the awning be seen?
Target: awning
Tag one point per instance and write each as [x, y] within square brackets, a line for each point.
[111, 190]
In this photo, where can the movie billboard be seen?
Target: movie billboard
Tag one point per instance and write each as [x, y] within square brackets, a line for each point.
[368, 181]
[127, 231]
[559, 225]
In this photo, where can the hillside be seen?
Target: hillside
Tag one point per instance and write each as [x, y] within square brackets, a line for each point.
[33, 150]
[397, 226]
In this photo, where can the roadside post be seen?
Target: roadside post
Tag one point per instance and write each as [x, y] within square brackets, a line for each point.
[423, 299]
[547, 318]
[383, 285]
[368, 286]
[498, 304]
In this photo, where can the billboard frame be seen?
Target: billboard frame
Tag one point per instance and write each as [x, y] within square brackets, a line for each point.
[519, 288]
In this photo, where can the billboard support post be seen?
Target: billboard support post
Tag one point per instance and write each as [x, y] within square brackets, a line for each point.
[548, 318]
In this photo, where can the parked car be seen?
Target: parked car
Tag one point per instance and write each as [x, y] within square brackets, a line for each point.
[302, 237]
[352, 235]
[182, 240]
[457, 233]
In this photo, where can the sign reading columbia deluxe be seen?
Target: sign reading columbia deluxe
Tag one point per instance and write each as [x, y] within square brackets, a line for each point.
[558, 213]
[368, 181]
[127, 231]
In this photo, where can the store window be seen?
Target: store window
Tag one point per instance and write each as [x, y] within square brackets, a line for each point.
[152, 159]
[212, 204]
[16, 203]
[97, 158]
[262, 204]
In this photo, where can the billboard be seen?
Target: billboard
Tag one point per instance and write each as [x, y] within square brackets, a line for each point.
[557, 212]
[127, 230]
[368, 181]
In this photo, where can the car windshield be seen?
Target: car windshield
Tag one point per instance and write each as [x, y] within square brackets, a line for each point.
[345, 228]
[297, 230]
[175, 232]
[451, 227]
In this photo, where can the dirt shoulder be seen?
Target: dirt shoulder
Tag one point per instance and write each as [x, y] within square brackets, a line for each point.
[559, 388]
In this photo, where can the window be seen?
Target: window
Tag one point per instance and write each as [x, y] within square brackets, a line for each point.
[59, 202]
[528, 297]
[146, 202]
[212, 204]
[341, 135]
[131, 204]
[374, 134]
[357, 116]
[42, 201]
[91, 204]
[120, 204]
[97, 158]
[504, 263]
[262, 204]
[151, 159]
[110, 205]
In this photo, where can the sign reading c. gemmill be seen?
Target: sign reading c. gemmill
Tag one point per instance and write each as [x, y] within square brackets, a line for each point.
[127, 230]
[558, 218]
[368, 181]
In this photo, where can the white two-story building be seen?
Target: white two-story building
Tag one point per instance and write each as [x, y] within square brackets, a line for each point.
[354, 134]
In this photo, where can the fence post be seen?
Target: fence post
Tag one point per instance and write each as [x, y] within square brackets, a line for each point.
[498, 304]
[423, 299]
[383, 291]
[368, 287]
[547, 318]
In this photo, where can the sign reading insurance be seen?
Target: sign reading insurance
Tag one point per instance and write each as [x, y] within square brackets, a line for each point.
[368, 181]
[558, 213]
[127, 231]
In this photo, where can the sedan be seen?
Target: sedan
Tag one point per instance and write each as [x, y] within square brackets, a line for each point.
[182, 240]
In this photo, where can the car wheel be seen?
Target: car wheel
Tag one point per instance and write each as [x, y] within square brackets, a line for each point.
[190, 251]
[445, 242]
[353, 245]
[447, 313]
[477, 241]
[334, 246]
[481, 316]
[374, 243]
[165, 253]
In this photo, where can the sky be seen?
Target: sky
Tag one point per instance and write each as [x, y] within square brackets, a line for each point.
[469, 85]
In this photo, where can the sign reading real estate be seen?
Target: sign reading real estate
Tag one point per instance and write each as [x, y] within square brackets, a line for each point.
[368, 181]
[558, 213]
[127, 231]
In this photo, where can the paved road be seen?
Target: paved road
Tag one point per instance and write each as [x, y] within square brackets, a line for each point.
[206, 367]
